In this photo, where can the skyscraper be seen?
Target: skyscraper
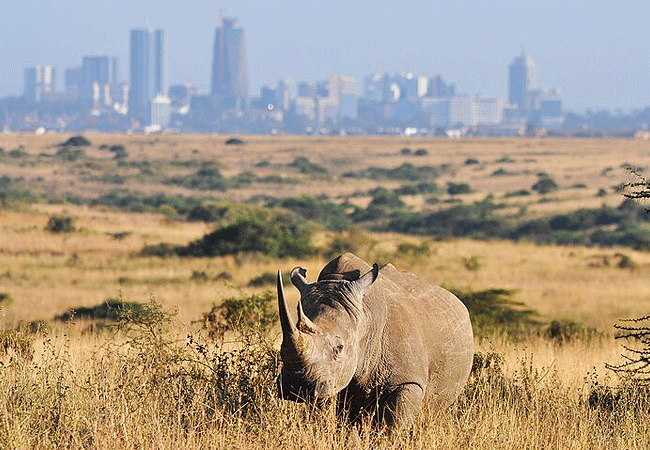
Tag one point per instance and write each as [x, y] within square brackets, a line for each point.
[148, 70]
[39, 80]
[229, 88]
[521, 82]
[98, 77]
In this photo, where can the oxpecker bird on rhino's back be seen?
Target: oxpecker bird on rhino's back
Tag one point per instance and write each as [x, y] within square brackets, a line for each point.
[378, 339]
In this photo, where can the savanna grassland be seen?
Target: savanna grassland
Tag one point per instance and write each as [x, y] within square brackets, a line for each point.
[135, 315]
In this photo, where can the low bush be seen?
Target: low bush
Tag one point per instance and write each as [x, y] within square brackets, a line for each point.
[111, 310]
[545, 185]
[272, 233]
[417, 189]
[60, 224]
[244, 314]
[307, 167]
[76, 141]
[234, 141]
[5, 299]
[458, 188]
[492, 311]
[68, 154]
[321, 210]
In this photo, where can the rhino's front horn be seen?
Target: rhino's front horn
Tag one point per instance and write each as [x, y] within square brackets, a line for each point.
[288, 327]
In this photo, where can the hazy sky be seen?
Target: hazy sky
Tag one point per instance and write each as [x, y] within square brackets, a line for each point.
[596, 52]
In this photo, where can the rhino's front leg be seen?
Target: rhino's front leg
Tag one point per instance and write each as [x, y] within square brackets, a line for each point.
[400, 406]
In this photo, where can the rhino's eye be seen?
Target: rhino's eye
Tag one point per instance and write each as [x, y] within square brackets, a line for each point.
[338, 349]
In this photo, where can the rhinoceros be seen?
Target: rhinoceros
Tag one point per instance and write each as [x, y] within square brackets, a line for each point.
[378, 339]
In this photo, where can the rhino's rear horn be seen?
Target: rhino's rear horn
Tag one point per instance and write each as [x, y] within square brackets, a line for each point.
[288, 327]
[305, 324]
[298, 278]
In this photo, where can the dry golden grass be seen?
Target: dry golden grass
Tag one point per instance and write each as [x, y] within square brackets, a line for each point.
[85, 390]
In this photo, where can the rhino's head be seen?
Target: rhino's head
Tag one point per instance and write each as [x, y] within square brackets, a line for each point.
[320, 354]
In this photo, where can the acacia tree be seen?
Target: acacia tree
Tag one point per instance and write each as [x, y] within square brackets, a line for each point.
[635, 332]
[637, 358]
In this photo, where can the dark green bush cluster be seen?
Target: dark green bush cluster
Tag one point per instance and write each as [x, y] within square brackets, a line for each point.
[111, 310]
[234, 141]
[418, 188]
[207, 178]
[628, 225]
[316, 209]
[136, 202]
[275, 233]
[242, 314]
[406, 171]
[494, 311]
[458, 188]
[69, 154]
[76, 141]
[5, 299]
[60, 224]
[545, 184]
[476, 220]
[307, 167]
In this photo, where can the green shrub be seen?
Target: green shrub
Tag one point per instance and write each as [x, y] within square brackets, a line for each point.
[242, 314]
[207, 212]
[5, 299]
[18, 153]
[418, 188]
[307, 167]
[269, 232]
[563, 331]
[162, 250]
[458, 188]
[68, 154]
[412, 250]
[382, 197]
[234, 141]
[321, 210]
[119, 152]
[421, 152]
[207, 178]
[471, 161]
[76, 141]
[519, 193]
[545, 185]
[112, 309]
[353, 241]
[493, 311]
[60, 224]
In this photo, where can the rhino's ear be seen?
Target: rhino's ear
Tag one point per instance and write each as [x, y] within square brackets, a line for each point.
[363, 284]
[298, 278]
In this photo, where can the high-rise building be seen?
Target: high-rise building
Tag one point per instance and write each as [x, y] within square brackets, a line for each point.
[148, 70]
[522, 81]
[98, 78]
[229, 89]
[39, 82]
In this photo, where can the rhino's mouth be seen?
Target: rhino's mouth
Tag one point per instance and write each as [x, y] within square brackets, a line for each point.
[291, 386]
[290, 389]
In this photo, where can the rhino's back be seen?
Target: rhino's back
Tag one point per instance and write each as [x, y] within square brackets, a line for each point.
[428, 335]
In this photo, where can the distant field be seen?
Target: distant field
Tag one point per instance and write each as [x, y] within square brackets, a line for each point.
[489, 166]
[83, 392]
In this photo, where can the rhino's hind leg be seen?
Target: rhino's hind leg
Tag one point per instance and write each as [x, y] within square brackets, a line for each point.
[399, 407]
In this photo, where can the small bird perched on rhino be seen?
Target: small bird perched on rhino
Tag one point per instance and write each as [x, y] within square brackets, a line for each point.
[378, 339]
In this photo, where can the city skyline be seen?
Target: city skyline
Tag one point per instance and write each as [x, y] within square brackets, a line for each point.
[470, 42]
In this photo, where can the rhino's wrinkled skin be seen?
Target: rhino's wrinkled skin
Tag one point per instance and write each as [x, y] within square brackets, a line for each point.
[380, 340]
